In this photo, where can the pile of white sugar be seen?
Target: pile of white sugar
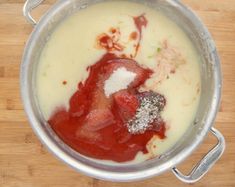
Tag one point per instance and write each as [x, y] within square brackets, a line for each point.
[119, 80]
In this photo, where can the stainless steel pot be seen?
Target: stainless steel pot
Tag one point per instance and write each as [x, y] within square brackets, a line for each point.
[209, 103]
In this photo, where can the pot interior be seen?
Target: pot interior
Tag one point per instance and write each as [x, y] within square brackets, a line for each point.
[210, 93]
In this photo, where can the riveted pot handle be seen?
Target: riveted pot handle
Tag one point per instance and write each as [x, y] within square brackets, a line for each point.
[28, 7]
[205, 163]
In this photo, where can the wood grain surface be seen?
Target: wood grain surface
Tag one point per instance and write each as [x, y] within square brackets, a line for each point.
[24, 162]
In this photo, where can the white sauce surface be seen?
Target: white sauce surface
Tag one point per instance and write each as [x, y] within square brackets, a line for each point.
[71, 49]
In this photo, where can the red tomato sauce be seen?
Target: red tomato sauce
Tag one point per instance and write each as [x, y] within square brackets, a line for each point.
[95, 125]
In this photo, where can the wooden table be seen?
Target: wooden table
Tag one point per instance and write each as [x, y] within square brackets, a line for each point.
[24, 162]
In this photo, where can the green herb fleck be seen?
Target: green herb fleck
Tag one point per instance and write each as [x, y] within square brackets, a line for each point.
[150, 56]
[159, 49]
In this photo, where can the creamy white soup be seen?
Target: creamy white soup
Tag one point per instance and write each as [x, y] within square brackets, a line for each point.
[156, 44]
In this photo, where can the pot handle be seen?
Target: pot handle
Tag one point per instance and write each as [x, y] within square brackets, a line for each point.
[28, 7]
[205, 163]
